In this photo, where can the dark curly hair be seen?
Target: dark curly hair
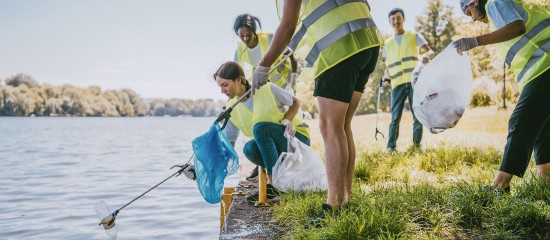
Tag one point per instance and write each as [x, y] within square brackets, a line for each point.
[248, 21]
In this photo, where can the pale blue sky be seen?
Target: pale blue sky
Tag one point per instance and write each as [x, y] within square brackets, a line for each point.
[159, 48]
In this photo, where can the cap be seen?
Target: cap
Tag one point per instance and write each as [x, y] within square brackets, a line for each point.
[465, 4]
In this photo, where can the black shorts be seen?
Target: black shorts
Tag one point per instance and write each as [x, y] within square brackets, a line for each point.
[348, 76]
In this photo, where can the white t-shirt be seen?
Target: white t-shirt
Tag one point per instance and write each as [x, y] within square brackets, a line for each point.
[282, 98]
[420, 41]
[255, 55]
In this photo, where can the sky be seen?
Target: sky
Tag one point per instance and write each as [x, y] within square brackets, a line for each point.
[159, 48]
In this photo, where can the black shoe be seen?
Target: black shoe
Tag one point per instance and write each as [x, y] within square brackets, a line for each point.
[271, 193]
[319, 219]
[253, 175]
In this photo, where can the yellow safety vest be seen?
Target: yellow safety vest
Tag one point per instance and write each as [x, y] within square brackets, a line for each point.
[528, 54]
[401, 58]
[265, 110]
[279, 76]
[333, 30]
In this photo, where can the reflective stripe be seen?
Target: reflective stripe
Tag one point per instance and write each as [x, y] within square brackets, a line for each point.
[314, 16]
[539, 53]
[523, 40]
[410, 58]
[408, 70]
[403, 60]
[335, 35]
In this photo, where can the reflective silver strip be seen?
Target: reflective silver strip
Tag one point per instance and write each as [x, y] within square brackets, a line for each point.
[544, 49]
[337, 34]
[523, 40]
[402, 60]
[314, 16]
[408, 70]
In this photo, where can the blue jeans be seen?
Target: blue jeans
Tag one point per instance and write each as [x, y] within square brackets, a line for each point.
[268, 144]
[398, 96]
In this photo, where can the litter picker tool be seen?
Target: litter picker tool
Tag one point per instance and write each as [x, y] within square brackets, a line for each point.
[378, 107]
[217, 148]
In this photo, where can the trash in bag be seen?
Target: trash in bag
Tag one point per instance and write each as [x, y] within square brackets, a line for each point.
[299, 169]
[215, 159]
[443, 89]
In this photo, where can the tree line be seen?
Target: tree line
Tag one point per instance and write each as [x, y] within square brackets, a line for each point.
[21, 95]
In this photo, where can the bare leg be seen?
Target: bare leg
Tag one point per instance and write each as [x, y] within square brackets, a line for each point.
[544, 170]
[331, 123]
[356, 97]
[502, 180]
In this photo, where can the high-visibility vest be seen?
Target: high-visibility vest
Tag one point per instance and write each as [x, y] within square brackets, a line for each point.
[279, 76]
[333, 30]
[528, 54]
[401, 58]
[265, 110]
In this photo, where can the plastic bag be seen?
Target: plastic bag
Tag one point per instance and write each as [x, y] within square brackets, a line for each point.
[215, 159]
[299, 169]
[442, 91]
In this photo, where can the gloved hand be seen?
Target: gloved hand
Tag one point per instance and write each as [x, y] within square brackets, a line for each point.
[189, 172]
[260, 77]
[290, 130]
[425, 59]
[465, 44]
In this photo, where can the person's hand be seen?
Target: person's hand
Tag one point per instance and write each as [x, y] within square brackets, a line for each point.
[260, 77]
[290, 130]
[425, 59]
[465, 44]
[189, 172]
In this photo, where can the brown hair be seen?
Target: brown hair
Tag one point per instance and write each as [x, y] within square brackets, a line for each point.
[232, 70]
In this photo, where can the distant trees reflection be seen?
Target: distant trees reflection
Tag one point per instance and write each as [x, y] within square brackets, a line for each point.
[21, 95]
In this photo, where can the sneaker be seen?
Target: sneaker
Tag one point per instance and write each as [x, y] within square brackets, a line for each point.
[271, 193]
[390, 150]
[325, 210]
[253, 175]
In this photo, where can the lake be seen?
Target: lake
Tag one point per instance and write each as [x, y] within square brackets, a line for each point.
[54, 170]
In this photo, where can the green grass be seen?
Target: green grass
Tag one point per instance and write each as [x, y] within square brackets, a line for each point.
[437, 193]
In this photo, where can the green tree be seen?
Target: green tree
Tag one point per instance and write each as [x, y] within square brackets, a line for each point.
[437, 25]
[21, 79]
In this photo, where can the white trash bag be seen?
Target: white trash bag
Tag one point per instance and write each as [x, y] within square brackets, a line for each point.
[443, 89]
[299, 169]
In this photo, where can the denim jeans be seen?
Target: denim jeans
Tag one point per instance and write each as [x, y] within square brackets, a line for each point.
[268, 144]
[398, 96]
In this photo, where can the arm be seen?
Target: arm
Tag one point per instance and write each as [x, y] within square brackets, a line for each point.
[426, 49]
[284, 32]
[293, 63]
[503, 34]
[292, 110]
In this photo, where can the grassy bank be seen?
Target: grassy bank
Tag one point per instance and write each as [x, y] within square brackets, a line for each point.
[437, 192]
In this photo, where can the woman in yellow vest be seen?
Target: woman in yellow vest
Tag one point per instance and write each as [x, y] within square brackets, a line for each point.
[522, 32]
[252, 48]
[341, 41]
[262, 117]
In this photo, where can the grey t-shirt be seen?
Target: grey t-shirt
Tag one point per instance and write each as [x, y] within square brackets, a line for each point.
[282, 98]
[504, 12]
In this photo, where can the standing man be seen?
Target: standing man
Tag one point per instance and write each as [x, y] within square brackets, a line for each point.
[400, 53]
[342, 43]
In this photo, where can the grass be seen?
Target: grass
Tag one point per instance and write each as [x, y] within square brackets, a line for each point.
[437, 192]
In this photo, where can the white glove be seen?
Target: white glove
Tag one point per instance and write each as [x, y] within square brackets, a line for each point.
[425, 59]
[290, 130]
[189, 172]
[260, 77]
[465, 44]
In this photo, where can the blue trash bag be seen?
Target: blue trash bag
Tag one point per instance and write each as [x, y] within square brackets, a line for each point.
[215, 159]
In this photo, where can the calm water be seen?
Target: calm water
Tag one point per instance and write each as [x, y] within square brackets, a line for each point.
[55, 169]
